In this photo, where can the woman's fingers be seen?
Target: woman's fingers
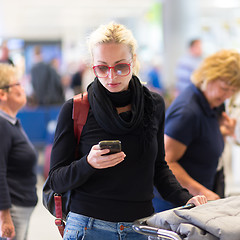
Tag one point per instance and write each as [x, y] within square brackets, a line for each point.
[198, 200]
[99, 160]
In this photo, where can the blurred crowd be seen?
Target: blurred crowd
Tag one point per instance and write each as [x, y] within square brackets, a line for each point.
[46, 84]
[44, 76]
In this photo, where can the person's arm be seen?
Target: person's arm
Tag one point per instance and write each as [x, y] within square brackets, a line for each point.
[5, 198]
[7, 229]
[174, 151]
[67, 172]
[164, 180]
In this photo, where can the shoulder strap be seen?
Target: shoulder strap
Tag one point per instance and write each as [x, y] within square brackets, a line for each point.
[80, 113]
[58, 210]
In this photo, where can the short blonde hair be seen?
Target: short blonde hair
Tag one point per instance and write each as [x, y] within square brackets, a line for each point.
[114, 33]
[7, 71]
[224, 65]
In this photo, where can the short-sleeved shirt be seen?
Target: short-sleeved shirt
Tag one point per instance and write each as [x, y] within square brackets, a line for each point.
[191, 121]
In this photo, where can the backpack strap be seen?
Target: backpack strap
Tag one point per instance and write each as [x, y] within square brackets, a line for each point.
[80, 113]
[58, 210]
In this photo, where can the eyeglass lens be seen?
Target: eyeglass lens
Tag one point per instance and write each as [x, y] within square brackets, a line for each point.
[11, 85]
[121, 69]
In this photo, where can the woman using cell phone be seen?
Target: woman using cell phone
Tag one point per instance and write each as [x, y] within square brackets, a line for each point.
[109, 192]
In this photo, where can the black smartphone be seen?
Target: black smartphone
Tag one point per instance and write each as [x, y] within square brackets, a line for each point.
[113, 145]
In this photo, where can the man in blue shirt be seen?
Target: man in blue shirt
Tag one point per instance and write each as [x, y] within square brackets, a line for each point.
[188, 63]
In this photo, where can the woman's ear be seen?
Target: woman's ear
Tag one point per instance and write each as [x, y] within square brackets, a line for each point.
[134, 59]
[3, 95]
[135, 64]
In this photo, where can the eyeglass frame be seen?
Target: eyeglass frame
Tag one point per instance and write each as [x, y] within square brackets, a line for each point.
[109, 68]
[11, 85]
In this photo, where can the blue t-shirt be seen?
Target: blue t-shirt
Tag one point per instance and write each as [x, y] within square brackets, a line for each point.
[185, 67]
[191, 121]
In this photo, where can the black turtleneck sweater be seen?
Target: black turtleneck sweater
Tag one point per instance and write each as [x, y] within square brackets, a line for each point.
[120, 193]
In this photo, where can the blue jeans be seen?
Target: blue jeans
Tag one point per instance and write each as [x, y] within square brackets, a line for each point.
[79, 227]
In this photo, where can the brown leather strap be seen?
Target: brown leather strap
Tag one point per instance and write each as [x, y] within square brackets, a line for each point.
[80, 113]
[58, 210]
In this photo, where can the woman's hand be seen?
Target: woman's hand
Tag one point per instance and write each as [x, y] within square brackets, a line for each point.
[198, 200]
[97, 159]
[227, 125]
[7, 229]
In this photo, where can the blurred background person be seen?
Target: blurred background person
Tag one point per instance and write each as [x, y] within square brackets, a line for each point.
[55, 64]
[194, 132]
[187, 64]
[154, 77]
[18, 160]
[77, 79]
[46, 82]
[4, 54]
[233, 109]
[66, 84]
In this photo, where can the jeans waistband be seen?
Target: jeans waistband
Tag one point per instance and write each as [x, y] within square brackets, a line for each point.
[89, 222]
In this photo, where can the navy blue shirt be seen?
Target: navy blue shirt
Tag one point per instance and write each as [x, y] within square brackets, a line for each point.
[18, 161]
[191, 121]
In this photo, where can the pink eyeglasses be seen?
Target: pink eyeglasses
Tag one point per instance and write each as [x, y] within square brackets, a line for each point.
[120, 69]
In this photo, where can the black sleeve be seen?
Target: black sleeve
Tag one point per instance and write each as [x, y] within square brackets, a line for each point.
[66, 172]
[164, 180]
[5, 145]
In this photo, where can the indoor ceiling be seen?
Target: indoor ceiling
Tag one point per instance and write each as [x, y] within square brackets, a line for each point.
[34, 19]
[55, 18]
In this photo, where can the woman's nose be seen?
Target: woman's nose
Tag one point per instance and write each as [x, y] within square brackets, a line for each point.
[111, 73]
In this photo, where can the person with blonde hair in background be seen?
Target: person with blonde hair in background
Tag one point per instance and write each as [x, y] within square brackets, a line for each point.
[18, 161]
[194, 130]
[109, 192]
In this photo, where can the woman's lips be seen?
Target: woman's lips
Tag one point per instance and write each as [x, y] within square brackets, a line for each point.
[113, 84]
